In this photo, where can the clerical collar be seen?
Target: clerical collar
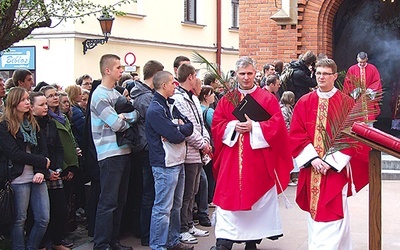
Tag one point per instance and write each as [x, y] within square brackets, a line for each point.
[247, 91]
[362, 67]
[326, 95]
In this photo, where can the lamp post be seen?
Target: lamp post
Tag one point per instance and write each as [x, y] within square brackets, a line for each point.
[106, 23]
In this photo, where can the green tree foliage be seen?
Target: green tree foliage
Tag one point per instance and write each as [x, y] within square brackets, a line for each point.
[18, 18]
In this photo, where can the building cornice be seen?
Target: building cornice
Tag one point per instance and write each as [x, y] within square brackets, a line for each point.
[140, 42]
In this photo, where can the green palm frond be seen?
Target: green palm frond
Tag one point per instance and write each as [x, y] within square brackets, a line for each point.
[224, 79]
[343, 118]
[340, 79]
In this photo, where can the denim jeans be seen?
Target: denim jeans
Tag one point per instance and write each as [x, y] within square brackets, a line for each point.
[165, 218]
[147, 198]
[114, 180]
[192, 179]
[202, 196]
[37, 196]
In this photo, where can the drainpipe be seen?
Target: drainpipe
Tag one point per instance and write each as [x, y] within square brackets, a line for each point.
[219, 47]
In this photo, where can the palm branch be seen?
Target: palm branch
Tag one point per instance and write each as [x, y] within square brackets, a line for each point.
[340, 79]
[343, 118]
[224, 79]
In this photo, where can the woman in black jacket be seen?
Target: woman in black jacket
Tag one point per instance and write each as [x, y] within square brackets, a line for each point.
[23, 144]
[58, 204]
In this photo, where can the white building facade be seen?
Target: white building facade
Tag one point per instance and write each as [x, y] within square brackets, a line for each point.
[151, 30]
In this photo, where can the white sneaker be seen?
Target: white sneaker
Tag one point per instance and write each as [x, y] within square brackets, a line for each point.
[198, 232]
[188, 238]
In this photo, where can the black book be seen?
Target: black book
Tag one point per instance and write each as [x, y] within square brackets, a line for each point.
[252, 109]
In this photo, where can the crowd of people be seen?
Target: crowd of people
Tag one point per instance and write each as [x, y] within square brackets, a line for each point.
[159, 152]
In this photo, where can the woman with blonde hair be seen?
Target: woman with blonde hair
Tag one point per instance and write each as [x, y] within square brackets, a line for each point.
[65, 104]
[24, 147]
[77, 115]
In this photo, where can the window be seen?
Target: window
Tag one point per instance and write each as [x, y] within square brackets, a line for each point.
[235, 14]
[190, 11]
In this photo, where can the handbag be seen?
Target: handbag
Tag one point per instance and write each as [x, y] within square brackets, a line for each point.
[7, 201]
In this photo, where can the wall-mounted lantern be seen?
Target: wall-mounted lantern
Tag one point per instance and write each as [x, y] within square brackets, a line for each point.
[106, 23]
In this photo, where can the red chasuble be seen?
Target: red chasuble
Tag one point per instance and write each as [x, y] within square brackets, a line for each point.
[243, 175]
[318, 194]
[368, 77]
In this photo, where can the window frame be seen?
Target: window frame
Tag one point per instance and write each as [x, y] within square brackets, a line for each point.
[189, 7]
[235, 14]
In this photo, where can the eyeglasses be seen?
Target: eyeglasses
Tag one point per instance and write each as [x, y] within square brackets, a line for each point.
[324, 74]
[87, 83]
[52, 96]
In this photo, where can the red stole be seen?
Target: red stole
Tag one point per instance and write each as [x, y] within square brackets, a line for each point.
[321, 195]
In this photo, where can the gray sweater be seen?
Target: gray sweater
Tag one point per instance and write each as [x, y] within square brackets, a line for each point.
[190, 107]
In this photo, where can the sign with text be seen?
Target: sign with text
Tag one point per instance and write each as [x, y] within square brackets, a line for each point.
[18, 58]
[130, 68]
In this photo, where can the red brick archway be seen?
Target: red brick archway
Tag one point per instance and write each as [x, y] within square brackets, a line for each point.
[325, 26]
[263, 39]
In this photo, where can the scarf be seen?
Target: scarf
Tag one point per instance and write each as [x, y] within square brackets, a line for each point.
[28, 133]
[58, 116]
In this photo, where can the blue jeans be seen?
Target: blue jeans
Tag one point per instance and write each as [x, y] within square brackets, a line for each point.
[202, 196]
[37, 196]
[165, 224]
[114, 179]
[147, 198]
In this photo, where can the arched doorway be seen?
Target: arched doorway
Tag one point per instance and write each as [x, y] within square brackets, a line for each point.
[372, 26]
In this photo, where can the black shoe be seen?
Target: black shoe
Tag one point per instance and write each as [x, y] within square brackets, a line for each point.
[118, 246]
[205, 222]
[181, 246]
[250, 246]
[66, 243]
[219, 247]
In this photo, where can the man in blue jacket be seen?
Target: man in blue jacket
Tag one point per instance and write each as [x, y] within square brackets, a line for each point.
[166, 129]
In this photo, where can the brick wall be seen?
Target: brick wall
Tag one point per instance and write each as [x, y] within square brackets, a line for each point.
[264, 40]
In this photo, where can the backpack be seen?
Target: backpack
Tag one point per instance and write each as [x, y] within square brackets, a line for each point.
[286, 79]
[207, 126]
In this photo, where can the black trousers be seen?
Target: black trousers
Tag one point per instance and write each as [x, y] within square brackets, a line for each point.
[58, 217]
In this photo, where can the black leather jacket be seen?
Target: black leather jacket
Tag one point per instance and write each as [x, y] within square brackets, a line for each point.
[302, 79]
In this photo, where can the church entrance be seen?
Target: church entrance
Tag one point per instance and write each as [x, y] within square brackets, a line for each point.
[372, 26]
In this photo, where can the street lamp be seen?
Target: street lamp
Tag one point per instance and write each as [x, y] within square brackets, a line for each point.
[106, 23]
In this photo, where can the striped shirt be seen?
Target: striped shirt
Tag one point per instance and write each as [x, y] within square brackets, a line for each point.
[105, 122]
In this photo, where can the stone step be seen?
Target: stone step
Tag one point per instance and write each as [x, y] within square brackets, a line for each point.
[390, 167]
[390, 162]
[390, 174]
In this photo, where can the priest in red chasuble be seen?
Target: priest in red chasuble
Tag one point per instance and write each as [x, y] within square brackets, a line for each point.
[364, 76]
[252, 164]
[325, 179]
